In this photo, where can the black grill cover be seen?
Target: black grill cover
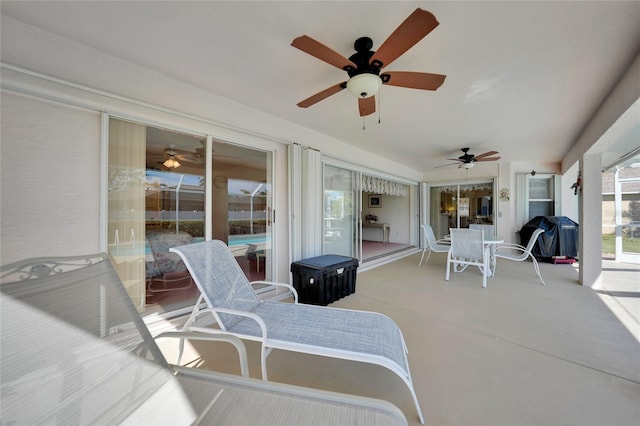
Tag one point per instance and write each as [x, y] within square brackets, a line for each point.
[560, 238]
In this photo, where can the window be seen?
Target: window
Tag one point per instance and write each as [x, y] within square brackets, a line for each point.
[536, 196]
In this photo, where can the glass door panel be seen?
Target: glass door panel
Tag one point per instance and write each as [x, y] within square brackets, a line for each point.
[242, 206]
[125, 206]
[340, 214]
[158, 199]
[444, 209]
[174, 199]
[460, 205]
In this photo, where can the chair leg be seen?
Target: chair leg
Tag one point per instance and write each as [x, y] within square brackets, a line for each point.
[537, 269]
[485, 272]
[446, 277]
[263, 362]
[428, 256]
[180, 351]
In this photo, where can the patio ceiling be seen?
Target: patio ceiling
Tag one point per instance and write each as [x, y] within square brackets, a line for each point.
[523, 78]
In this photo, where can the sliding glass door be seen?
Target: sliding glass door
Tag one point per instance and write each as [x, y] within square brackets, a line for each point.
[459, 205]
[341, 212]
[160, 196]
[242, 206]
[365, 216]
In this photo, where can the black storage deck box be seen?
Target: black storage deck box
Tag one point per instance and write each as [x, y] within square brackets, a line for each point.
[324, 279]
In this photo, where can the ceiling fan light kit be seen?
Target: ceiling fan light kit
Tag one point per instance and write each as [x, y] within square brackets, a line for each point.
[364, 85]
[171, 163]
[364, 66]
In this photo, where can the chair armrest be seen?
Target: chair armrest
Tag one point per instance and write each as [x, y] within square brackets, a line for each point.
[215, 311]
[242, 351]
[287, 286]
[510, 246]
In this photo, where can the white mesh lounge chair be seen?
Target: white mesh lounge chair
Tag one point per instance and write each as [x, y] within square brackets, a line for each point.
[167, 272]
[520, 253]
[431, 244]
[468, 248]
[75, 351]
[339, 333]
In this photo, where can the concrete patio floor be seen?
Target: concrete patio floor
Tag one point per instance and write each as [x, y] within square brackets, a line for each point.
[515, 353]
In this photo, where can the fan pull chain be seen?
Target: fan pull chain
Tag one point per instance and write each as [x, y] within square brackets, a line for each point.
[379, 103]
[363, 126]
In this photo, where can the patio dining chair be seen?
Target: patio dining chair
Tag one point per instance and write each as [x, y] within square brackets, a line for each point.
[431, 244]
[487, 229]
[319, 330]
[519, 253]
[75, 351]
[468, 248]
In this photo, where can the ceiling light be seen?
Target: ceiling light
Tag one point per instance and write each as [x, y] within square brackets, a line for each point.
[171, 163]
[467, 165]
[364, 85]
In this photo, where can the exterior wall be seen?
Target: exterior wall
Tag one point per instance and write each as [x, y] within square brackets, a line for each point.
[569, 200]
[50, 186]
[78, 75]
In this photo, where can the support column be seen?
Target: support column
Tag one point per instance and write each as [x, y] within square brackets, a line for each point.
[590, 202]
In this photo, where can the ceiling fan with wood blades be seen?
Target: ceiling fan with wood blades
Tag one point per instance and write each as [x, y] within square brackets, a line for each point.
[467, 160]
[365, 66]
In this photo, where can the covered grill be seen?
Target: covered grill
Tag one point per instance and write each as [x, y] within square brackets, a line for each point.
[561, 236]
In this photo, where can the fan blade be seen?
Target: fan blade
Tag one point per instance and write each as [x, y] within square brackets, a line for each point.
[487, 159]
[322, 95]
[367, 105]
[486, 154]
[415, 80]
[445, 165]
[322, 52]
[455, 159]
[412, 30]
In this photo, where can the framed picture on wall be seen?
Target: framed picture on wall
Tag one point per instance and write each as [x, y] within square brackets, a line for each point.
[375, 201]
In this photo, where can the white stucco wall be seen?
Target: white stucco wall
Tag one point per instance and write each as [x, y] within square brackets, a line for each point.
[50, 185]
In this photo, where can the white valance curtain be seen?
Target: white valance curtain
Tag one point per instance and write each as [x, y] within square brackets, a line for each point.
[467, 187]
[383, 186]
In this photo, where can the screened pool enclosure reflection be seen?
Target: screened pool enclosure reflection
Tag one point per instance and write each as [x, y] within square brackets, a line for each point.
[161, 196]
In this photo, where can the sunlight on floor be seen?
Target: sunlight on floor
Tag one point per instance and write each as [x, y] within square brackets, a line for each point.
[620, 292]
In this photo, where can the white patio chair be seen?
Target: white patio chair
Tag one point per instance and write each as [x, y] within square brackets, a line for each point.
[468, 248]
[339, 333]
[431, 244]
[519, 253]
[75, 351]
[487, 229]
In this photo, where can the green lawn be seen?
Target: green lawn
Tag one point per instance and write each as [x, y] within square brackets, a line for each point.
[628, 244]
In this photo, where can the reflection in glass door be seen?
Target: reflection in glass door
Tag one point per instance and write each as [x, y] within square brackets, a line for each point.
[242, 200]
[459, 205]
[158, 199]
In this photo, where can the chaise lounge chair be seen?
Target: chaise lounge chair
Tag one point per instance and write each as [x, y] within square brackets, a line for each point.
[75, 351]
[340, 333]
